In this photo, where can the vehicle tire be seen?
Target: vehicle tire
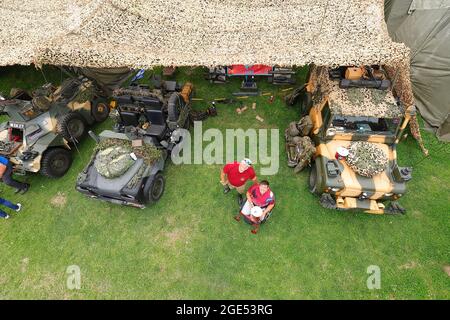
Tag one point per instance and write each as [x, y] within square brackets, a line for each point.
[72, 127]
[154, 189]
[100, 110]
[313, 187]
[174, 106]
[55, 162]
[305, 103]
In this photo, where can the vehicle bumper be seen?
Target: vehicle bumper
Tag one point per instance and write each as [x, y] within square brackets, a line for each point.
[366, 205]
[116, 199]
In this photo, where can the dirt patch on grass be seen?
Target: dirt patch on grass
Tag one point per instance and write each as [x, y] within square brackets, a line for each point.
[447, 270]
[170, 220]
[409, 265]
[24, 265]
[178, 235]
[59, 200]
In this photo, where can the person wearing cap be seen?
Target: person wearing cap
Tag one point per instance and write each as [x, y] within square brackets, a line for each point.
[236, 174]
[259, 195]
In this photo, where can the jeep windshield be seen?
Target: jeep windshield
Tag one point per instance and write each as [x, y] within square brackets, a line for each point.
[365, 125]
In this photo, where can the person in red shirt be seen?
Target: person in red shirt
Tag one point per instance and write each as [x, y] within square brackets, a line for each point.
[235, 175]
[259, 195]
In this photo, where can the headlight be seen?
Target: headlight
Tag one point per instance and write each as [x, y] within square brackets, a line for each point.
[335, 189]
[389, 194]
[363, 196]
[331, 132]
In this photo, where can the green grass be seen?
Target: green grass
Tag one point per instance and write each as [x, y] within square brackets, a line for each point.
[188, 246]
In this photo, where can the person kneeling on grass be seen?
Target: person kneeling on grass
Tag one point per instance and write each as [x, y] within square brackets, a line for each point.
[6, 171]
[6, 203]
[235, 175]
[258, 196]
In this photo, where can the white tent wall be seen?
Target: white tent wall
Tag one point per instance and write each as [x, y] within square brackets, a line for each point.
[424, 26]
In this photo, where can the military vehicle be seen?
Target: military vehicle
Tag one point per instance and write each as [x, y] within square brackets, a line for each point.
[43, 125]
[126, 167]
[356, 125]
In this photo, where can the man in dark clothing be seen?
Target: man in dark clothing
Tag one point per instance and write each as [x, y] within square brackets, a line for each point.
[8, 179]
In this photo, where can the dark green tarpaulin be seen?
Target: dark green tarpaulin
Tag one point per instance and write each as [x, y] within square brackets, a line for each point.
[424, 26]
[108, 78]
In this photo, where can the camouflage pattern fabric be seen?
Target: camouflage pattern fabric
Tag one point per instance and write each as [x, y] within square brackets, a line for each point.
[364, 102]
[113, 162]
[86, 93]
[401, 73]
[140, 92]
[184, 115]
[366, 159]
[137, 177]
[305, 126]
[42, 103]
[300, 149]
[292, 129]
[147, 152]
[113, 156]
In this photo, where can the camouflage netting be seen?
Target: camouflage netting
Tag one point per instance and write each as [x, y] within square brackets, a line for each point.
[299, 147]
[140, 33]
[403, 89]
[366, 159]
[113, 161]
[376, 106]
[113, 157]
[86, 93]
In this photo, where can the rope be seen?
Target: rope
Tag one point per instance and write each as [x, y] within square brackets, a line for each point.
[43, 75]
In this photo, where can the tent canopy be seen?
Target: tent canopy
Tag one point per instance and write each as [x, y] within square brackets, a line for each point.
[424, 26]
[142, 33]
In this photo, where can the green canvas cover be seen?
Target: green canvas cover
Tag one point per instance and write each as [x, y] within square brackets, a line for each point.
[108, 78]
[424, 26]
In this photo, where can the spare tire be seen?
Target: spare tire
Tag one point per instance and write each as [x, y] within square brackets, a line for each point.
[174, 107]
[72, 127]
[100, 110]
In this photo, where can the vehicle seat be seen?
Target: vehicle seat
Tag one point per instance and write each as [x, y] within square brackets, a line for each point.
[157, 123]
[129, 118]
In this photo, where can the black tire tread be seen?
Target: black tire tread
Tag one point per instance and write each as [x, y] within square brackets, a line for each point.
[46, 169]
[61, 126]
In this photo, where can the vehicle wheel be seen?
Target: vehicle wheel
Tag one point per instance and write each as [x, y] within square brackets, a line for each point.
[313, 180]
[100, 110]
[154, 190]
[72, 127]
[305, 104]
[174, 106]
[55, 162]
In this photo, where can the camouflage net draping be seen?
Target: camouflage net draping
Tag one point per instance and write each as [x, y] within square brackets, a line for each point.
[113, 161]
[113, 157]
[366, 158]
[143, 34]
[299, 146]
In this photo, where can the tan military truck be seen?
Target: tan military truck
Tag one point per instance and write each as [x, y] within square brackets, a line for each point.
[356, 124]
